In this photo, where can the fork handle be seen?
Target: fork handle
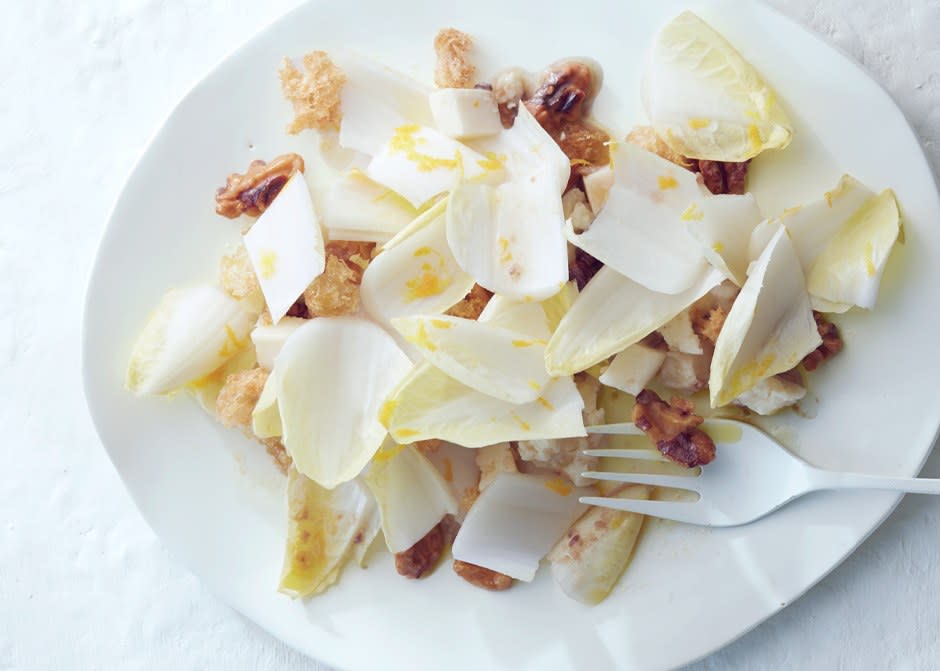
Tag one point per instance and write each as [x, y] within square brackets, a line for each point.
[821, 479]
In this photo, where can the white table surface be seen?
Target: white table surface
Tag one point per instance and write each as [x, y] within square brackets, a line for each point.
[84, 583]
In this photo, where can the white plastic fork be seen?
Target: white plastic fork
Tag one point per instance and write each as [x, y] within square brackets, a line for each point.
[749, 478]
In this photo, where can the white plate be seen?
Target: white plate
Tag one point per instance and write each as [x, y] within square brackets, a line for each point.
[216, 500]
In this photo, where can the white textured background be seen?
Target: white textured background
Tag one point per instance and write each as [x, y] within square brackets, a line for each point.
[84, 584]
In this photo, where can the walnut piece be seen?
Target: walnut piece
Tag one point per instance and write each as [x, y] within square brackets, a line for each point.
[453, 69]
[252, 192]
[673, 429]
[422, 556]
[721, 177]
[237, 276]
[471, 305]
[239, 396]
[583, 268]
[479, 576]
[336, 291]
[314, 92]
[560, 104]
[831, 343]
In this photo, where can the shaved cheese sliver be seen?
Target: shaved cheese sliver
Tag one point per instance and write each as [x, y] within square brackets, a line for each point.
[415, 273]
[332, 375]
[611, 314]
[724, 232]
[430, 404]
[269, 339]
[770, 326]
[412, 495]
[509, 238]
[849, 269]
[632, 369]
[357, 208]
[516, 521]
[419, 163]
[375, 101]
[321, 532]
[190, 334]
[679, 334]
[496, 361]
[285, 247]
[705, 100]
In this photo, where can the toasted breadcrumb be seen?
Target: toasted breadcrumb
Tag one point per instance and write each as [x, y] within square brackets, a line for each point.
[493, 460]
[336, 291]
[278, 452]
[453, 69]
[472, 304]
[237, 276]
[239, 395]
[314, 92]
[646, 137]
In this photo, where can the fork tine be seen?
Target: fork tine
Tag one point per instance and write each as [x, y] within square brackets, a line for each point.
[675, 481]
[645, 455]
[622, 429]
[667, 510]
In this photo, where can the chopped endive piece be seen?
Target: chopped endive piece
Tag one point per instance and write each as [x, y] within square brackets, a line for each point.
[411, 493]
[419, 163]
[642, 230]
[415, 273]
[556, 307]
[269, 339]
[285, 247]
[849, 269]
[813, 226]
[633, 369]
[496, 361]
[465, 113]
[588, 560]
[724, 232]
[516, 521]
[357, 208]
[332, 375]
[509, 238]
[321, 533]
[191, 334]
[375, 101]
[430, 404]
[611, 314]
[770, 327]
[526, 317]
[704, 100]
[526, 149]
[266, 418]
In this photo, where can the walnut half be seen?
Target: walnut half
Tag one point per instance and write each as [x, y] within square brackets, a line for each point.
[673, 428]
[251, 193]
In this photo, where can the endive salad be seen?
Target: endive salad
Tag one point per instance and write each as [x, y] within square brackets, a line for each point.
[422, 318]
